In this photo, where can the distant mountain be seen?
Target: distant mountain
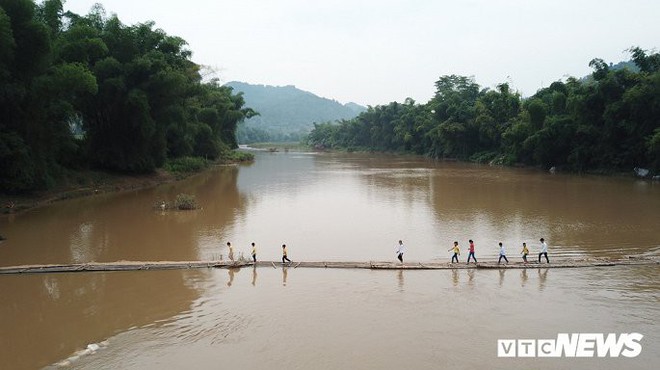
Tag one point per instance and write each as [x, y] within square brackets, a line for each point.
[286, 112]
[629, 65]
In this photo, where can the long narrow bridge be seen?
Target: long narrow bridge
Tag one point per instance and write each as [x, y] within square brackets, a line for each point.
[172, 265]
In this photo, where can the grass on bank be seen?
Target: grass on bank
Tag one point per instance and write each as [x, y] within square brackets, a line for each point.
[280, 146]
[80, 183]
[189, 165]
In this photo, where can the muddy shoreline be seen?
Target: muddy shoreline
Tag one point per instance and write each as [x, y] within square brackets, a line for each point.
[106, 183]
[90, 183]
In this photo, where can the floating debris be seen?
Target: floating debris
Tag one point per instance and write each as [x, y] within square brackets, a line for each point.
[161, 206]
[183, 202]
[89, 350]
[641, 172]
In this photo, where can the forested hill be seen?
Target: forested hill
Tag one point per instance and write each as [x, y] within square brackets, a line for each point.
[608, 122]
[286, 112]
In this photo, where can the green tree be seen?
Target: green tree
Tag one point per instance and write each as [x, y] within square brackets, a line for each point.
[36, 97]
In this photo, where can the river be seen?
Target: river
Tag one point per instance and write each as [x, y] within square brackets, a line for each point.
[333, 207]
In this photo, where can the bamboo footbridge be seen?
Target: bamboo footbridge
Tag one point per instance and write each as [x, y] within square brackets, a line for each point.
[182, 265]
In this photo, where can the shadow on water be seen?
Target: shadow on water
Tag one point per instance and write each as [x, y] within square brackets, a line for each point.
[578, 215]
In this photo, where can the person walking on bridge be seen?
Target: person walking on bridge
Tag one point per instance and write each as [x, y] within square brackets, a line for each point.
[544, 251]
[471, 253]
[400, 250]
[524, 252]
[284, 257]
[254, 252]
[502, 254]
[231, 251]
[457, 252]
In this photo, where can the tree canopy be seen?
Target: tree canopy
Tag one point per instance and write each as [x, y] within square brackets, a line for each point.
[91, 92]
[610, 121]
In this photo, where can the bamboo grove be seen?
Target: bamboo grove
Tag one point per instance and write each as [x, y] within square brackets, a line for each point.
[88, 92]
[606, 122]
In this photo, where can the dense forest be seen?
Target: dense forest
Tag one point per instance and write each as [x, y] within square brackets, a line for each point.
[609, 121]
[88, 92]
[286, 113]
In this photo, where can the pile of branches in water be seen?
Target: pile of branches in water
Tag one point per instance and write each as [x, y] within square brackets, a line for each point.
[183, 202]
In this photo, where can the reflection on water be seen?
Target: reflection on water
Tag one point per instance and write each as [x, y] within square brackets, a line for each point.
[46, 317]
[523, 277]
[124, 226]
[401, 280]
[346, 207]
[329, 207]
[470, 276]
[542, 275]
[231, 271]
[354, 206]
[328, 319]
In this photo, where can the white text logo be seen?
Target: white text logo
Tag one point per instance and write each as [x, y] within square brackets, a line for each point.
[573, 345]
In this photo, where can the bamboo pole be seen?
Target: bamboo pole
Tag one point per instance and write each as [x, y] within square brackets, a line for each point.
[382, 265]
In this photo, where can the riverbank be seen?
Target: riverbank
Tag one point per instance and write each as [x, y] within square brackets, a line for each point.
[76, 184]
[279, 146]
[495, 162]
[82, 183]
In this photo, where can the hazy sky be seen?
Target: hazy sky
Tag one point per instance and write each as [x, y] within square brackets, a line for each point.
[378, 51]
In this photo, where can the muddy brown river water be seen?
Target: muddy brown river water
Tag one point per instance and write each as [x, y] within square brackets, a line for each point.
[333, 207]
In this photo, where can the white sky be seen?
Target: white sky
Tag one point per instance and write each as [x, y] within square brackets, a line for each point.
[377, 51]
